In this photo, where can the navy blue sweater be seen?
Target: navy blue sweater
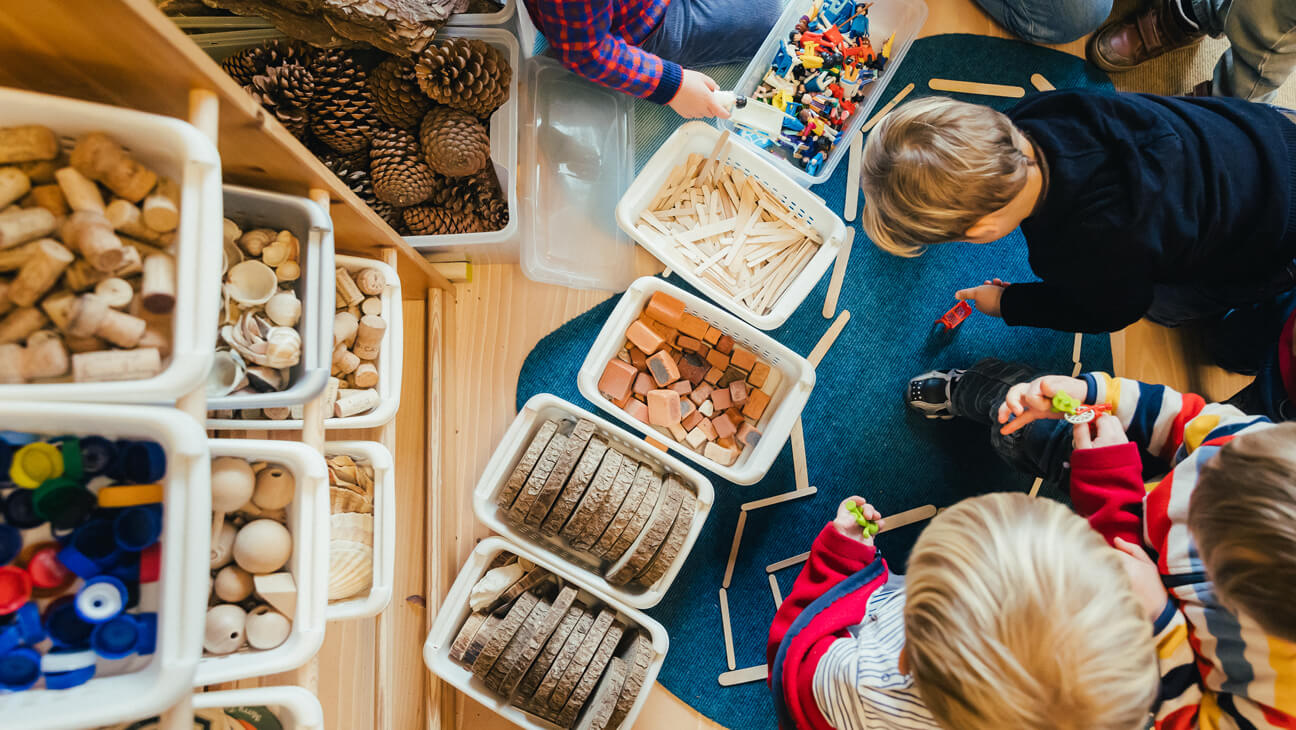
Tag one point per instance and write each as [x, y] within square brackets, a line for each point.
[1146, 190]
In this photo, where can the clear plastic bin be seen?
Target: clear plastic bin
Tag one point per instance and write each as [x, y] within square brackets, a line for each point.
[384, 538]
[499, 17]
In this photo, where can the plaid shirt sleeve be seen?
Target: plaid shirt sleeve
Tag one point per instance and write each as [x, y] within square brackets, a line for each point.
[579, 31]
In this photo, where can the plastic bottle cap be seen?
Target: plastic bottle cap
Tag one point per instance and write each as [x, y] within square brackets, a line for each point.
[138, 527]
[10, 543]
[116, 638]
[150, 564]
[130, 495]
[19, 669]
[34, 463]
[70, 448]
[19, 510]
[17, 438]
[97, 455]
[45, 569]
[141, 461]
[57, 662]
[63, 502]
[6, 457]
[28, 621]
[100, 599]
[147, 624]
[64, 626]
[15, 588]
[10, 638]
[68, 680]
[96, 541]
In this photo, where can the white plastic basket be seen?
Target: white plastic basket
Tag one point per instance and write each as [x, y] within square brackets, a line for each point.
[308, 523]
[499, 17]
[390, 359]
[454, 611]
[697, 137]
[536, 411]
[296, 708]
[138, 685]
[489, 246]
[176, 150]
[384, 536]
[786, 403]
[315, 288]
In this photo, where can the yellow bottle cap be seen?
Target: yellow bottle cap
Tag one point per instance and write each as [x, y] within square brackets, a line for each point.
[129, 495]
[34, 463]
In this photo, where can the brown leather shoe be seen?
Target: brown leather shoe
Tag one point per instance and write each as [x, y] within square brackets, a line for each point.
[1152, 32]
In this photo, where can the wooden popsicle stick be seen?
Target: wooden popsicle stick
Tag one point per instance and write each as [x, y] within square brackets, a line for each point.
[1040, 83]
[787, 562]
[728, 630]
[774, 590]
[758, 673]
[1035, 486]
[856, 152]
[733, 549]
[877, 117]
[799, 463]
[976, 87]
[838, 275]
[817, 354]
[1075, 370]
[1075, 348]
[908, 517]
[778, 498]
[708, 170]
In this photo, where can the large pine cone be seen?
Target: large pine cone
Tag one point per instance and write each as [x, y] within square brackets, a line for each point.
[400, 176]
[253, 61]
[467, 74]
[342, 115]
[455, 142]
[478, 194]
[430, 220]
[397, 99]
[286, 92]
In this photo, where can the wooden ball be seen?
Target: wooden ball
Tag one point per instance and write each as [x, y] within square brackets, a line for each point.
[267, 628]
[232, 482]
[232, 584]
[274, 488]
[224, 633]
[222, 546]
[262, 546]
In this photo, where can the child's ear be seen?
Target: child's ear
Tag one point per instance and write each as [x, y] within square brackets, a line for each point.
[983, 230]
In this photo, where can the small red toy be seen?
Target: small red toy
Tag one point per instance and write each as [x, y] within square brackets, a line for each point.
[955, 316]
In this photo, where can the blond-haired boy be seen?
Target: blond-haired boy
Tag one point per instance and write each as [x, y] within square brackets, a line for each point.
[1177, 208]
[1013, 614]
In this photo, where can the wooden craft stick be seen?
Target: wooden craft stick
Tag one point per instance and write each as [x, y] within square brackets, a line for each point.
[1040, 83]
[817, 354]
[854, 155]
[908, 517]
[713, 161]
[758, 673]
[787, 562]
[778, 498]
[774, 590]
[800, 467]
[1075, 348]
[838, 275]
[728, 630]
[877, 117]
[1035, 486]
[1075, 370]
[976, 87]
[733, 549]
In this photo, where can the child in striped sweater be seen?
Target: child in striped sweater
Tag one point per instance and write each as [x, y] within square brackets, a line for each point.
[1013, 614]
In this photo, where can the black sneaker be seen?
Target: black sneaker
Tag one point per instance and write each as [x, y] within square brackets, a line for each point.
[930, 393]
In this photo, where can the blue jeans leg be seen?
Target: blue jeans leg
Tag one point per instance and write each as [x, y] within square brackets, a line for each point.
[1048, 21]
[712, 32]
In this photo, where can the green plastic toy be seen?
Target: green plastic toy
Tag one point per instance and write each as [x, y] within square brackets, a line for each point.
[869, 526]
[1064, 403]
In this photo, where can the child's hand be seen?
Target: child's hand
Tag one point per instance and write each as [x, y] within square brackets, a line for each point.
[986, 297]
[1145, 578]
[1106, 430]
[1032, 401]
[845, 520]
[695, 98]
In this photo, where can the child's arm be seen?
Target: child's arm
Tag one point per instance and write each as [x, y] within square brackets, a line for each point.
[1080, 307]
[579, 31]
[1107, 480]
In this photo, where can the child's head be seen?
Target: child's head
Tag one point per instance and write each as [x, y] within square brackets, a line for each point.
[1018, 615]
[937, 170]
[1242, 515]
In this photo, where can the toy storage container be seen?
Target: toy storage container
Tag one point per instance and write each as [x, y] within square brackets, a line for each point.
[536, 411]
[454, 610]
[296, 708]
[499, 17]
[700, 138]
[384, 537]
[308, 524]
[176, 150]
[138, 685]
[314, 231]
[786, 404]
[903, 17]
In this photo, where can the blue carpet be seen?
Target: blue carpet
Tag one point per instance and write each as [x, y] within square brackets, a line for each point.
[860, 438]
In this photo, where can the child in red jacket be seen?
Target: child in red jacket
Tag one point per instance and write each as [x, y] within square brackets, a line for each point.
[1013, 614]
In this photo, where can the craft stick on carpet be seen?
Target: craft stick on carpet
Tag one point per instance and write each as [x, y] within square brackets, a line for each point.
[1040, 83]
[778, 498]
[728, 631]
[817, 354]
[908, 517]
[733, 550]
[976, 87]
[856, 152]
[800, 468]
[872, 122]
[774, 589]
[838, 275]
[1035, 486]
[758, 673]
[787, 562]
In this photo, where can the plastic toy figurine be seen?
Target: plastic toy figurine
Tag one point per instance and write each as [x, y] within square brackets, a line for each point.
[815, 163]
[955, 316]
[782, 60]
[1076, 412]
[869, 527]
[859, 22]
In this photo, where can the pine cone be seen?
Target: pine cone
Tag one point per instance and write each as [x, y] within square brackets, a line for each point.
[242, 66]
[478, 194]
[285, 91]
[341, 112]
[389, 213]
[396, 97]
[400, 176]
[253, 61]
[430, 220]
[455, 142]
[467, 74]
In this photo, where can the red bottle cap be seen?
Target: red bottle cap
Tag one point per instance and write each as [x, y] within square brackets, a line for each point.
[150, 565]
[45, 569]
[15, 588]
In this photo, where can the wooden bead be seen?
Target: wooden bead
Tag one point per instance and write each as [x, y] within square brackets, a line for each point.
[369, 337]
[40, 272]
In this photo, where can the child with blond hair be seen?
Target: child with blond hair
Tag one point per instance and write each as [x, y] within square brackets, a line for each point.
[1175, 208]
[1013, 614]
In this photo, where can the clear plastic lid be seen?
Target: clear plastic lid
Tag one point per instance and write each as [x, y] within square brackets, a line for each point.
[577, 158]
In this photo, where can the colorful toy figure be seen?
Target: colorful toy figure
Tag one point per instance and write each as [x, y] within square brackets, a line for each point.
[869, 527]
[955, 316]
[1076, 412]
[859, 22]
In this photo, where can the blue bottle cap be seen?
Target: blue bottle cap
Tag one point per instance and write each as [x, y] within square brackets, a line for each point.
[116, 638]
[147, 624]
[73, 560]
[65, 627]
[95, 540]
[6, 457]
[141, 462]
[10, 638]
[17, 438]
[136, 528]
[68, 680]
[28, 621]
[100, 599]
[10, 543]
[97, 455]
[19, 510]
[19, 669]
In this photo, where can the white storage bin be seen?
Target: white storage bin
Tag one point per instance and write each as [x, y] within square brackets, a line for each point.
[454, 611]
[138, 685]
[308, 524]
[700, 138]
[786, 403]
[313, 228]
[384, 538]
[176, 150]
[489, 246]
[296, 708]
[903, 17]
[536, 411]
[499, 17]
[390, 359]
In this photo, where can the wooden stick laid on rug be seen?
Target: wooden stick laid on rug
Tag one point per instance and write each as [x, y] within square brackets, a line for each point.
[758, 673]
[800, 467]
[976, 87]
[877, 117]
[733, 550]
[855, 155]
[838, 275]
[774, 589]
[1035, 486]
[728, 631]
[821, 348]
[779, 498]
[1040, 83]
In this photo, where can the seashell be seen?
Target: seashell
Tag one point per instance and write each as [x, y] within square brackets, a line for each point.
[350, 569]
[264, 379]
[283, 347]
[267, 628]
[288, 271]
[352, 526]
[284, 309]
[230, 230]
[251, 283]
[492, 585]
[224, 631]
[227, 374]
[284, 248]
[345, 500]
[231, 255]
[255, 240]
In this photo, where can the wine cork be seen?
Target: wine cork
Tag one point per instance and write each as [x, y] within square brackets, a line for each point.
[158, 338]
[11, 360]
[87, 316]
[49, 197]
[345, 326]
[40, 172]
[19, 324]
[100, 158]
[371, 282]
[127, 219]
[44, 357]
[369, 337]
[157, 292]
[13, 259]
[117, 292]
[60, 307]
[27, 142]
[105, 365]
[344, 361]
[121, 329]
[356, 401]
[5, 304]
[365, 375]
[80, 191]
[41, 271]
[90, 234]
[277, 413]
[82, 276]
[13, 185]
[347, 292]
[26, 224]
[84, 344]
[330, 393]
[371, 305]
[161, 209]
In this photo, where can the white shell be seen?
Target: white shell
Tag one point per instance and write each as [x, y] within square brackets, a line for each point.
[222, 546]
[283, 347]
[284, 309]
[251, 283]
[232, 584]
[262, 546]
[226, 374]
[274, 488]
[493, 584]
[225, 626]
[232, 482]
[231, 255]
[350, 569]
[267, 628]
[351, 526]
